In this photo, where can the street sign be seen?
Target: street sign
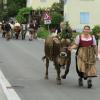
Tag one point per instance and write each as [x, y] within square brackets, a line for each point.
[47, 18]
[47, 21]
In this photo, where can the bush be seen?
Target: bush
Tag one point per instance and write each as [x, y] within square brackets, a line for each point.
[96, 29]
[42, 33]
[96, 32]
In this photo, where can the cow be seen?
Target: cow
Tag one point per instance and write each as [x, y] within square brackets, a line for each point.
[56, 50]
[17, 29]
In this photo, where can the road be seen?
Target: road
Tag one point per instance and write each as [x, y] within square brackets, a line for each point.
[21, 64]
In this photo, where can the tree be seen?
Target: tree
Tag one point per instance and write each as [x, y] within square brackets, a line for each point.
[58, 7]
[3, 15]
[21, 16]
[56, 19]
[14, 6]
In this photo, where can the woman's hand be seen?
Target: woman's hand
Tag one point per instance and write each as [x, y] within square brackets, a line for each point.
[69, 48]
[72, 47]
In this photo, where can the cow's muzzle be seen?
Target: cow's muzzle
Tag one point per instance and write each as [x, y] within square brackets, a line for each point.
[63, 54]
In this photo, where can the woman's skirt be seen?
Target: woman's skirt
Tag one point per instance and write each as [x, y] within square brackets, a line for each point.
[86, 62]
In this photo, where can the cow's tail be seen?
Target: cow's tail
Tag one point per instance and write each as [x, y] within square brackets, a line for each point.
[43, 58]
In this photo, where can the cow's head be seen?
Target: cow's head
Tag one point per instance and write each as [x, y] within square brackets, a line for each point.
[64, 52]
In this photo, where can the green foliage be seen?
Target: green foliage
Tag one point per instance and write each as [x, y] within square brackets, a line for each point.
[13, 7]
[66, 30]
[42, 33]
[20, 3]
[96, 29]
[96, 32]
[22, 15]
[57, 7]
[56, 14]
[56, 19]
[3, 15]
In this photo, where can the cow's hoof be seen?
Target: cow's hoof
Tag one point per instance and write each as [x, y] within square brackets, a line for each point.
[63, 76]
[58, 82]
[46, 77]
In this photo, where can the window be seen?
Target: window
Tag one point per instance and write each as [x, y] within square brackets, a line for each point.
[84, 17]
[43, 0]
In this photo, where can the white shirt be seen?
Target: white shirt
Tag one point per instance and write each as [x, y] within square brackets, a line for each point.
[77, 40]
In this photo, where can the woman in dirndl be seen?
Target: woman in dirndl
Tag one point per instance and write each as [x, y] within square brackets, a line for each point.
[86, 55]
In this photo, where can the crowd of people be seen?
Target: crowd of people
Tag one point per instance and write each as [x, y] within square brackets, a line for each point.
[13, 29]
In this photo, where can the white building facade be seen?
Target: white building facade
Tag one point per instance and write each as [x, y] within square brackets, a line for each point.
[36, 4]
[82, 12]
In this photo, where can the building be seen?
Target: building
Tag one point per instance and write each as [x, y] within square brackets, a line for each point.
[77, 12]
[36, 4]
[82, 12]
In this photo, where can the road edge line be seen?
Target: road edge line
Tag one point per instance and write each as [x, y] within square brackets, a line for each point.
[10, 93]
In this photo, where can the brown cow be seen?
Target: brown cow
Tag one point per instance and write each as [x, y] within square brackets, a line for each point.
[56, 51]
[17, 29]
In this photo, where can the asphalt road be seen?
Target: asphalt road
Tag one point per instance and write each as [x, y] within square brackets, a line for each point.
[21, 63]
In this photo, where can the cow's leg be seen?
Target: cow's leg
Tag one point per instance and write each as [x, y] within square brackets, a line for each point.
[16, 35]
[47, 65]
[58, 76]
[57, 67]
[67, 69]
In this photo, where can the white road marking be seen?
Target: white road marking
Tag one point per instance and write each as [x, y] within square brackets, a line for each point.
[10, 93]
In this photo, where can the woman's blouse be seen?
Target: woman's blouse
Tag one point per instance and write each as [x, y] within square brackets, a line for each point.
[82, 41]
